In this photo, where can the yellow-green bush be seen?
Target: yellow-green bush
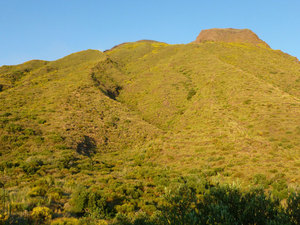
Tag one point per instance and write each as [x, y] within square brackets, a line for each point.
[41, 214]
[65, 221]
[3, 218]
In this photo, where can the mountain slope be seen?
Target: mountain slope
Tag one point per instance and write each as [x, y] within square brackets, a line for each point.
[143, 115]
[216, 109]
[53, 111]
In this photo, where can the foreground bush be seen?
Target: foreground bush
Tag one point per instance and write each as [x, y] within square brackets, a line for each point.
[223, 205]
[188, 205]
[65, 221]
[184, 203]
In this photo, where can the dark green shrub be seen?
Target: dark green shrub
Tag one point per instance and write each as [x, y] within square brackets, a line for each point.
[56, 138]
[121, 219]
[55, 194]
[14, 128]
[92, 203]
[38, 191]
[6, 114]
[191, 93]
[65, 221]
[67, 161]
[29, 131]
[31, 166]
[179, 206]
[42, 121]
[87, 146]
[222, 205]
[293, 208]
[261, 179]
[79, 200]
[17, 219]
[280, 189]
[96, 205]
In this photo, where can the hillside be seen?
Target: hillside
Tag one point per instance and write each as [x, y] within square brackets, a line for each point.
[214, 108]
[132, 120]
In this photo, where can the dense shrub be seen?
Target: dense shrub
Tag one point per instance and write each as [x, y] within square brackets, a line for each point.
[3, 218]
[67, 161]
[17, 219]
[65, 221]
[38, 191]
[230, 206]
[32, 165]
[293, 208]
[219, 205]
[185, 201]
[191, 93]
[40, 215]
[179, 206]
[79, 200]
[91, 203]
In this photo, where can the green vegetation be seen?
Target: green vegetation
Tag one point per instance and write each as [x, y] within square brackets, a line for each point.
[151, 133]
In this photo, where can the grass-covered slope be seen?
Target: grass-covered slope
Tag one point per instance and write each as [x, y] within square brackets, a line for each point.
[122, 125]
[9, 75]
[56, 117]
[227, 107]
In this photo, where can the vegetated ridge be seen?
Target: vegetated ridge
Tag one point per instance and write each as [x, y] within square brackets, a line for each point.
[99, 134]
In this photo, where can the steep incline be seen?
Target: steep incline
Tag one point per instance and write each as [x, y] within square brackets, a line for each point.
[125, 123]
[58, 116]
[10, 75]
[224, 109]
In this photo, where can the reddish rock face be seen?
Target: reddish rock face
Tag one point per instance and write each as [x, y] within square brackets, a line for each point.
[230, 35]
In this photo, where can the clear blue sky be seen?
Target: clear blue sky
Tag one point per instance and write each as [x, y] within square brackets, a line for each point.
[51, 29]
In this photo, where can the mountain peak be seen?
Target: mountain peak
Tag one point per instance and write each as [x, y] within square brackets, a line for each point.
[230, 35]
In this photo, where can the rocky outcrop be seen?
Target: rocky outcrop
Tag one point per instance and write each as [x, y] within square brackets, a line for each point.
[230, 35]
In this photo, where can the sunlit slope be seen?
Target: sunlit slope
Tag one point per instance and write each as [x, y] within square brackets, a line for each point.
[229, 109]
[10, 75]
[57, 115]
[273, 66]
[225, 110]
[99, 134]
